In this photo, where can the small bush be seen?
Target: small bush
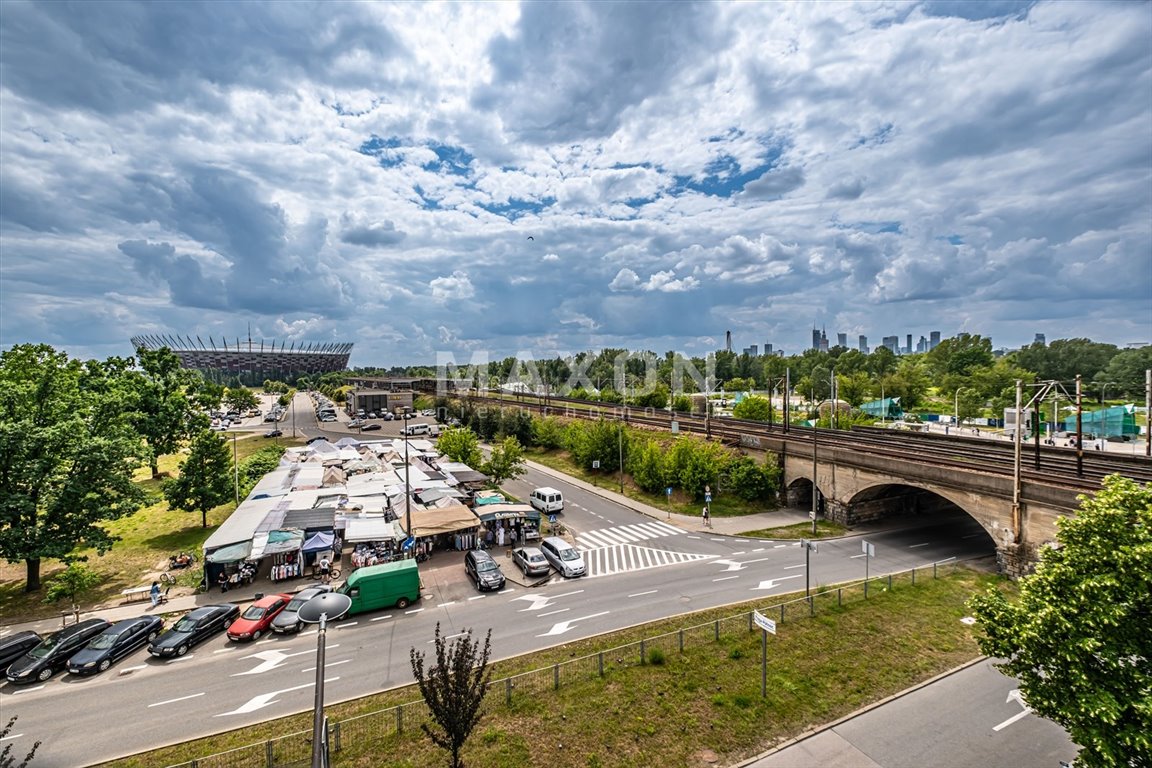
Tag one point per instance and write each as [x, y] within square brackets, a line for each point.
[656, 656]
[742, 701]
[736, 654]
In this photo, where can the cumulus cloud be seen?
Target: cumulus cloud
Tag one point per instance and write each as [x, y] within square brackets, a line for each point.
[322, 174]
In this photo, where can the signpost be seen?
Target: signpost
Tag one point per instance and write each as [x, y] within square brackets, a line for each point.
[809, 548]
[768, 625]
[869, 553]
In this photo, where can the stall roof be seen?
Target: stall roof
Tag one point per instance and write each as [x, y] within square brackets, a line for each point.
[372, 529]
[241, 525]
[429, 522]
[276, 542]
[312, 519]
[490, 512]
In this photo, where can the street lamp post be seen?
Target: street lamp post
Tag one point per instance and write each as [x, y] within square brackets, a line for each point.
[809, 548]
[815, 431]
[235, 470]
[956, 408]
[318, 610]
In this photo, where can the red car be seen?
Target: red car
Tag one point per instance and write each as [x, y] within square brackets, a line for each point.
[257, 618]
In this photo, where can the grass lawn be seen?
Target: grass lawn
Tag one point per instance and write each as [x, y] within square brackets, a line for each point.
[722, 505]
[678, 708]
[824, 529]
[147, 539]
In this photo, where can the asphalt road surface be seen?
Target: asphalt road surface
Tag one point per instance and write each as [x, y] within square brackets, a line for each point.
[654, 573]
[974, 717]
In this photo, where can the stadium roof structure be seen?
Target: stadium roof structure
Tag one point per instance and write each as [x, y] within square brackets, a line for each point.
[248, 359]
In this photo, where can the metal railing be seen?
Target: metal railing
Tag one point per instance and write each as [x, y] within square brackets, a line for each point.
[295, 749]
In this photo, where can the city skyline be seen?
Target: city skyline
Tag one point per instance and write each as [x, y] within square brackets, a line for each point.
[557, 177]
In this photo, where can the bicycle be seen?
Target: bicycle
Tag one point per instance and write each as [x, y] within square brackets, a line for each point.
[167, 578]
[333, 573]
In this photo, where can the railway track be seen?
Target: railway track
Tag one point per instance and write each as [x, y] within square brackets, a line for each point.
[1045, 465]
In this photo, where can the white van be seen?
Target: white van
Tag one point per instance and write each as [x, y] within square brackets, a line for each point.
[416, 429]
[547, 500]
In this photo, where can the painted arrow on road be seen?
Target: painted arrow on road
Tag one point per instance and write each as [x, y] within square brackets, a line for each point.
[541, 601]
[266, 699]
[1015, 694]
[270, 660]
[564, 626]
[771, 583]
[735, 566]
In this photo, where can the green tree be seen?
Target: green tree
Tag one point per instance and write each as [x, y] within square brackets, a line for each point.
[1126, 371]
[454, 688]
[68, 451]
[682, 403]
[548, 432]
[1077, 637]
[959, 355]
[461, 444]
[70, 583]
[256, 466]
[167, 403]
[753, 407]
[506, 461]
[750, 481]
[240, 399]
[853, 388]
[205, 480]
[1063, 359]
[646, 463]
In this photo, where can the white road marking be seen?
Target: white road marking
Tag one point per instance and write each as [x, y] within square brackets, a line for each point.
[1014, 694]
[327, 664]
[564, 626]
[790, 567]
[414, 610]
[771, 583]
[342, 625]
[180, 658]
[692, 537]
[725, 578]
[133, 669]
[13, 736]
[649, 592]
[478, 597]
[853, 557]
[761, 549]
[381, 618]
[734, 554]
[445, 605]
[558, 610]
[264, 699]
[226, 649]
[446, 637]
[26, 690]
[913, 546]
[270, 660]
[779, 546]
[173, 701]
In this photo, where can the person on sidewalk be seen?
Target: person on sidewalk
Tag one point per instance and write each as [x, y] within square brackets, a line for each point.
[154, 594]
[707, 519]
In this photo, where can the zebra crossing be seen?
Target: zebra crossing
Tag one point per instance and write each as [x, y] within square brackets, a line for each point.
[624, 534]
[630, 557]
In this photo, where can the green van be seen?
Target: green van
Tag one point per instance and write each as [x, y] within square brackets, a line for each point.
[382, 586]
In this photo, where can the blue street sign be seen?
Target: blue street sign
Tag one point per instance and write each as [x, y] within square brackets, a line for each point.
[708, 498]
[668, 490]
[408, 543]
[552, 518]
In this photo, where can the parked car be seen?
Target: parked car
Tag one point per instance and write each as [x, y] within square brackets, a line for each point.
[257, 618]
[316, 439]
[16, 645]
[531, 561]
[371, 427]
[193, 628]
[355, 423]
[483, 570]
[564, 557]
[371, 414]
[52, 654]
[274, 433]
[116, 642]
[287, 620]
[388, 416]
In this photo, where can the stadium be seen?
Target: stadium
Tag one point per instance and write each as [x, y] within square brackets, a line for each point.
[252, 362]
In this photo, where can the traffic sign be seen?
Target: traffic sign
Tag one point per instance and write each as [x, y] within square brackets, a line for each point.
[408, 543]
[707, 498]
[668, 491]
[765, 623]
[552, 519]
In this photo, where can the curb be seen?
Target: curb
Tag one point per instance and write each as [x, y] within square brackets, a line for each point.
[852, 715]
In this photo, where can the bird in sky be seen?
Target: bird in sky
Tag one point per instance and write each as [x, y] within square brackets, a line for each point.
[530, 237]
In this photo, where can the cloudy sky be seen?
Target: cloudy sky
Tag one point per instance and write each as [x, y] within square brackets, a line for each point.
[552, 177]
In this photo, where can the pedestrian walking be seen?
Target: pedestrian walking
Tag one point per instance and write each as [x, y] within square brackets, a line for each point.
[154, 594]
[707, 517]
[325, 569]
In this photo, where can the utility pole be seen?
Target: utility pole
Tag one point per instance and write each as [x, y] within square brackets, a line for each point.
[1079, 428]
[815, 488]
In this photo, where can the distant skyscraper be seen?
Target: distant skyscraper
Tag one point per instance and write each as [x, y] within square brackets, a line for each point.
[933, 340]
[815, 338]
[892, 343]
[908, 346]
[823, 341]
[728, 341]
[754, 350]
[1040, 340]
[767, 349]
[922, 345]
[862, 344]
[842, 340]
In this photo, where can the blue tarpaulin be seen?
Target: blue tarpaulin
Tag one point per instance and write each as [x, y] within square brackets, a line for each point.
[318, 542]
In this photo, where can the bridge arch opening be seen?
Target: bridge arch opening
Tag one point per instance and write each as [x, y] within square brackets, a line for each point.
[930, 518]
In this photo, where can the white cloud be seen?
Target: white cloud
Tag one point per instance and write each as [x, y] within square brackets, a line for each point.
[186, 169]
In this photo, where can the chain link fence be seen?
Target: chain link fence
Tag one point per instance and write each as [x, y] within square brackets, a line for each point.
[294, 750]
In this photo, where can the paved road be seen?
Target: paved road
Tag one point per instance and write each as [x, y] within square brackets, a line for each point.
[973, 717]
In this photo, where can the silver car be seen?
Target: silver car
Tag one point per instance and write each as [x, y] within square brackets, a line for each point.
[531, 561]
[564, 557]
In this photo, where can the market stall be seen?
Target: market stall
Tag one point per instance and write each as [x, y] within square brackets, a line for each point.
[450, 527]
[373, 540]
[509, 524]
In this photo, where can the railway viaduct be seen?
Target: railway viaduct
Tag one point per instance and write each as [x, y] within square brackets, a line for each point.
[855, 486]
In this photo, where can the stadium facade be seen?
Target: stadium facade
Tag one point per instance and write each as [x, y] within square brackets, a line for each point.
[252, 362]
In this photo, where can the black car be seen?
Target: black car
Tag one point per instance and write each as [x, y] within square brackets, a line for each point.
[114, 643]
[195, 626]
[316, 439]
[15, 646]
[483, 570]
[287, 620]
[53, 653]
[369, 427]
[273, 433]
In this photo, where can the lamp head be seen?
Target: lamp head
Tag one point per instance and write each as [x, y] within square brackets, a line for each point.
[332, 605]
